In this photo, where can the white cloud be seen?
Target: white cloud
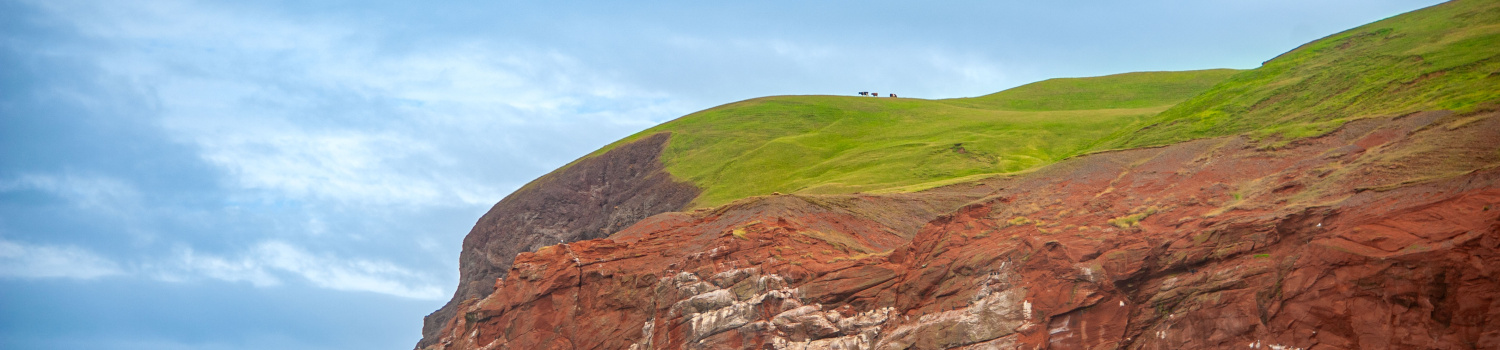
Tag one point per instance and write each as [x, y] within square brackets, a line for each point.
[261, 265]
[182, 21]
[46, 261]
[101, 198]
[349, 166]
[189, 264]
[319, 110]
[349, 275]
[99, 193]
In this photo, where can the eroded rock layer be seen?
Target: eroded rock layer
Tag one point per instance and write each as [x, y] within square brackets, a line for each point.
[587, 200]
[1382, 234]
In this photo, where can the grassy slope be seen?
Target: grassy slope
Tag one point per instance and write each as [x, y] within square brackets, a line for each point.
[1442, 57]
[1128, 90]
[842, 144]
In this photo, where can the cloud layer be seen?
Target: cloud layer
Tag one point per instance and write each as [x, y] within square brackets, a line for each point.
[264, 265]
[261, 265]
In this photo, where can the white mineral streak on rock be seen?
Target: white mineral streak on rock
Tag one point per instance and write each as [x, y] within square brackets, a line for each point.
[684, 277]
[1002, 343]
[645, 342]
[733, 299]
[713, 300]
[729, 278]
[711, 310]
[860, 321]
[857, 332]
[818, 329]
[709, 323]
[1169, 283]
[994, 281]
[1027, 306]
[859, 341]
[999, 314]
[1061, 327]
[688, 284]
[788, 321]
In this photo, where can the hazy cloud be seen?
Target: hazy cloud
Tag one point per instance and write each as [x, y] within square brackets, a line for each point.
[321, 111]
[262, 264]
[259, 266]
[45, 261]
[190, 265]
[100, 193]
[348, 275]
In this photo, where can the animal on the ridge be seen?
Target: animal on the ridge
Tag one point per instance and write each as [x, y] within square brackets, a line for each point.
[864, 93]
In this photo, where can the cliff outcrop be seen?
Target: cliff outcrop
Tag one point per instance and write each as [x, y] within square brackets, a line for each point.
[589, 199]
[1381, 234]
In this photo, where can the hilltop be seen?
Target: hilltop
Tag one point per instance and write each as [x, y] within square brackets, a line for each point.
[1439, 58]
[847, 144]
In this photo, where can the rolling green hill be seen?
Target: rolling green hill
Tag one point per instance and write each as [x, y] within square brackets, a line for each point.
[844, 144]
[1128, 90]
[1442, 57]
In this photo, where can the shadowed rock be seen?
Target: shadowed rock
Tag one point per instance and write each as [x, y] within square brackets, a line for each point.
[590, 199]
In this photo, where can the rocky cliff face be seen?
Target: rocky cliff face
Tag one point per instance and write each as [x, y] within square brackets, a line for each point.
[1382, 234]
[587, 200]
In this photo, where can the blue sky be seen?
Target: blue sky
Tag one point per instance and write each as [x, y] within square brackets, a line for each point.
[299, 175]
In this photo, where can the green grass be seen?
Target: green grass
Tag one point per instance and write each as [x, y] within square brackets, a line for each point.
[1442, 57]
[1128, 90]
[1133, 219]
[845, 144]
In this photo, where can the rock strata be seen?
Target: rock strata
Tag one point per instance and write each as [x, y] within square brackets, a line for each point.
[1381, 234]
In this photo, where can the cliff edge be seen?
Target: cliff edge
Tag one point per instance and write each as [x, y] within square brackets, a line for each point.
[589, 199]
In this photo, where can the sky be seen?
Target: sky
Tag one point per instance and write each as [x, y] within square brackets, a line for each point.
[179, 174]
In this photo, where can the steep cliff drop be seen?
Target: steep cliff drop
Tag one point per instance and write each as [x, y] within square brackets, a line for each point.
[589, 199]
[1382, 234]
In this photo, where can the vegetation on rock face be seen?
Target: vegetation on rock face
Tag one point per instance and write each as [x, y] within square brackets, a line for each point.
[1446, 57]
[845, 144]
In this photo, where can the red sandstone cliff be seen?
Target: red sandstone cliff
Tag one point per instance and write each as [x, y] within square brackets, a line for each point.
[589, 199]
[1382, 234]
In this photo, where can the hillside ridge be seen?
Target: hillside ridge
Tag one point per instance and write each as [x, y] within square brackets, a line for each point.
[846, 144]
[1438, 58]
